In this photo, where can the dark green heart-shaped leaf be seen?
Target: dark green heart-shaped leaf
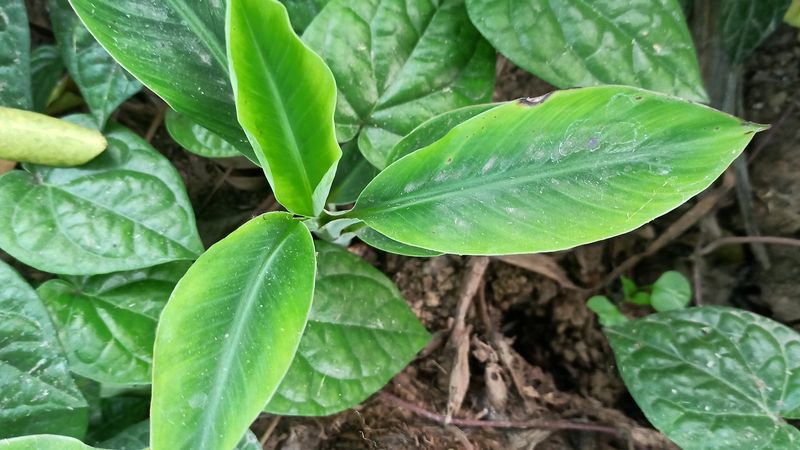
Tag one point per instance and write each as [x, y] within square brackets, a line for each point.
[435, 129]
[113, 414]
[103, 83]
[137, 437]
[43, 442]
[177, 49]
[360, 334]
[746, 24]
[568, 43]
[398, 63]
[197, 139]
[549, 174]
[713, 378]
[15, 54]
[285, 98]
[46, 71]
[37, 394]
[125, 210]
[229, 333]
[353, 174]
[107, 323]
[36, 138]
[302, 12]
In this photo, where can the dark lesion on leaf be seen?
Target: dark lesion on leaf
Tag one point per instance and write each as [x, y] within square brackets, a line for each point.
[533, 101]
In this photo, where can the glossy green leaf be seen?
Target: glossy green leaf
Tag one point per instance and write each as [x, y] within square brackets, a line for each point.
[37, 394]
[177, 49]
[360, 334]
[137, 437]
[116, 412]
[229, 333]
[671, 291]
[302, 12]
[353, 174]
[107, 323]
[15, 48]
[127, 209]
[381, 242]
[746, 24]
[568, 43]
[102, 82]
[607, 312]
[197, 139]
[36, 138]
[435, 129]
[43, 442]
[552, 173]
[398, 63]
[46, 71]
[285, 99]
[713, 378]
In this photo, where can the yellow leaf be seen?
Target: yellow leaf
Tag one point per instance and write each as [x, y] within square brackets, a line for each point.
[35, 138]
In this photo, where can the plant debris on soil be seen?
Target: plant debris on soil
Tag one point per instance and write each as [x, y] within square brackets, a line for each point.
[517, 360]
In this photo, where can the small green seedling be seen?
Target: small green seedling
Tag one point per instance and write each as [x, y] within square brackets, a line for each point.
[671, 291]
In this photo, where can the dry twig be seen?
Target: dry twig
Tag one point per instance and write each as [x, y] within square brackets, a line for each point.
[554, 425]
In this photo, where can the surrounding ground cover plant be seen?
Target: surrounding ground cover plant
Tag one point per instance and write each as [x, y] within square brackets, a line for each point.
[260, 318]
[670, 292]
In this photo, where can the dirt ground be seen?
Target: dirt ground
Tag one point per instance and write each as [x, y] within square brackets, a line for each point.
[527, 353]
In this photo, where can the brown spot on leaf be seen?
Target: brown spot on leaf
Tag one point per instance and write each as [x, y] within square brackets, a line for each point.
[533, 101]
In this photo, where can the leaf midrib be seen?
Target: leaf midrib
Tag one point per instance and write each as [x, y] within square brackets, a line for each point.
[286, 123]
[498, 181]
[208, 420]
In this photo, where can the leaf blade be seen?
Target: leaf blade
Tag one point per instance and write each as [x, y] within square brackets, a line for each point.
[15, 42]
[137, 437]
[37, 391]
[745, 25]
[601, 151]
[196, 139]
[383, 66]
[348, 351]
[285, 98]
[177, 49]
[107, 323]
[725, 376]
[43, 442]
[46, 71]
[102, 82]
[101, 217]
[205, 393]
[580, 43]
